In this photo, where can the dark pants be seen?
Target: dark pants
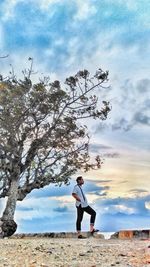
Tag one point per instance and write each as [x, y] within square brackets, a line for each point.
[80, 212]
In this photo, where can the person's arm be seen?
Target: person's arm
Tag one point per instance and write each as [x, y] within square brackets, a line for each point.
[76, 197]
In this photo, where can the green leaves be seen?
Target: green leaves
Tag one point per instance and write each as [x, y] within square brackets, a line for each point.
[41, 128]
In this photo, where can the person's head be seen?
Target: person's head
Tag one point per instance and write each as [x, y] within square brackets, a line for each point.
[80, 180]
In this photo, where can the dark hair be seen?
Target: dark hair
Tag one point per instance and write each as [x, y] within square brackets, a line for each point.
[78, 179]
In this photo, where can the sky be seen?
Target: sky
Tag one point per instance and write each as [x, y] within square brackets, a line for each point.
[65, 36]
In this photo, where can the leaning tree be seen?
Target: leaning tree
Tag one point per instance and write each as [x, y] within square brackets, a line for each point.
[42, 136]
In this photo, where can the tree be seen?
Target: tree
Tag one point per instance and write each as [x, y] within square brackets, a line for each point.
[42, 139]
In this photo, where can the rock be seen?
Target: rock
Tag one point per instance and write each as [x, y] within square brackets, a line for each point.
[125, 234]
[97, 235]
[49, 252]
[58, 235]
[144, 234]
[40, 248]
[34, 254]
[89, 251]
[122, 255]
[33, 262]
[56, 257]
[8, 227]
[82, 254]
[115, 235]
[129, 234]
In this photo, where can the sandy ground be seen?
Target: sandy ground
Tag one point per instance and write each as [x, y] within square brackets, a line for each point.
[73, 252]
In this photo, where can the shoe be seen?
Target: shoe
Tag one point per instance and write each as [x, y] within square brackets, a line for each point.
[94, 231]
[81, 237]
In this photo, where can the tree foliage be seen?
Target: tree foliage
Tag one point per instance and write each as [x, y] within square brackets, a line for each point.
[42, 136]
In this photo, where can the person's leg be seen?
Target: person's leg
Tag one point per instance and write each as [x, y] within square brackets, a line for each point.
[92, 212]
[80, 212]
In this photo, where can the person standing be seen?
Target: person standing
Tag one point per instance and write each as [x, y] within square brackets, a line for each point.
[82, 205]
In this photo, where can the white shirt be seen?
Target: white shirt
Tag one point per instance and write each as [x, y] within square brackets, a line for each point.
[79, 192]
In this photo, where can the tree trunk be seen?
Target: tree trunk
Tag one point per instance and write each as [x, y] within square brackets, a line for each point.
[7, 223]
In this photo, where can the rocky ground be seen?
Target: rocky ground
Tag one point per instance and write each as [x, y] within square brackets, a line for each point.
[73, 252]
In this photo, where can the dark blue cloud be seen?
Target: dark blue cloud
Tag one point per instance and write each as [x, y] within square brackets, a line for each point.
[108, 210]
[23, 208]
[97, 148]
[102, 194]
[111, 155]
[53, 190]
[141, 118]
[130, 93]
[143, 85]
[104, 221]
[61, 209]
[124, 124]
[136, 203]
[90, 187]
[53, 224]
[100, 181]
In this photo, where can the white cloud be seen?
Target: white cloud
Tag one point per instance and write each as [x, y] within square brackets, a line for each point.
[45, 4]
[31, 208]
[85, 10]
[113, 209]
[2, 40]
[92, 198]
[63, 199]
[147, 205]
[69, 200]
[2, 205]
[20, 62]
[8, 9]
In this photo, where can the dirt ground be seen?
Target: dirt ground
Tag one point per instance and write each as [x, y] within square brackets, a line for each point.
[73, 252]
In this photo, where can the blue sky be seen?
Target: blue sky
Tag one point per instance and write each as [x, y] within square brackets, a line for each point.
[63, 37]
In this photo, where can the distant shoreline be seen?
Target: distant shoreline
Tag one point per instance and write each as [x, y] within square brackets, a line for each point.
[123, 234]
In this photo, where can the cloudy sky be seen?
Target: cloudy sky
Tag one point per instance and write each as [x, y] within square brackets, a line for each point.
[65, 36]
